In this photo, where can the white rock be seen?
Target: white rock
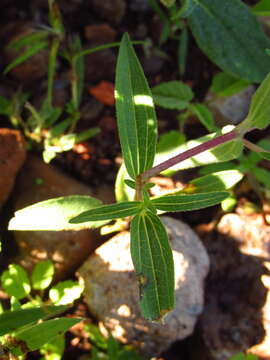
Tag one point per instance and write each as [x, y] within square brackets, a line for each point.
[111, 290]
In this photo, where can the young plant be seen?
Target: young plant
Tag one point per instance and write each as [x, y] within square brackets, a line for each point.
[21, 328]
[150, 248]
[52, 127]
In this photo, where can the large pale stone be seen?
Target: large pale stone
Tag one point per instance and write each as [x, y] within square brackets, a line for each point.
[111, 290]
[230, 109]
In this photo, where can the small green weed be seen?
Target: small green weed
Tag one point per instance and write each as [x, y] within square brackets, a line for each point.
[28, 326]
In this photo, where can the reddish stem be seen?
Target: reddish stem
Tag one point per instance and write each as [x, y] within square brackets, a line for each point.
[189, 153]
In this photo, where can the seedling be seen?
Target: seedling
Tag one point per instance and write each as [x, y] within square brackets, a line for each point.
[53, 128]
[150, 248]
[21, 329]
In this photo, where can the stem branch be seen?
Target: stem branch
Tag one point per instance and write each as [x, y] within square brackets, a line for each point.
[189, 153]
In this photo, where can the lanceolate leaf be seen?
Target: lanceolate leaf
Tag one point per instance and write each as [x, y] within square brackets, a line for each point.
[204, 115]
[109, 212]
[12, 320]
[32, 338]
[30, 51]
[229, 34]
[189, 202]
[54, 214]
[259, 112]
[153, 262]
[219, 181]
[135, 112]
[262, 8]
[224, 84]
[265, 155]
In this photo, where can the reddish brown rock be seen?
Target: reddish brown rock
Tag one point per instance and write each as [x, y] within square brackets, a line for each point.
[67, 249]
[110, 10]
[99, 34]
[12, 156]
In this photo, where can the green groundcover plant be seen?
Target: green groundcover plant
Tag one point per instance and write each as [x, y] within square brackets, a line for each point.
[31, 323]
[150, 249]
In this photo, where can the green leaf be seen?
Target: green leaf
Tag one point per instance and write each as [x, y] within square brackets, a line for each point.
[32, 338]
[96, 336]
[28, 40]
[59, 128]
[265, 155]
[185, 10]
[172, 203]
[231, 37]
[262, 8]
[169, 141]
[153, 262]
[212, 168]
[218, 181]
[12, 320]
[42, 275]
[172, 95]
[168, 3]
[204, 115]
[87, 134]
[228, 151]
[251, 357]
[122, 191]
[262, 175]
[54, 349]
[15, 281]
[54, 214]
[77, 63]
[5, 106]
[224, 84]
[15, 304]
[136, 116]
[109, 212]
[65, 292]
[259, 111]
[30, 51]
[240, 356]
[229, 203]
[113, 348]
[182, 52]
